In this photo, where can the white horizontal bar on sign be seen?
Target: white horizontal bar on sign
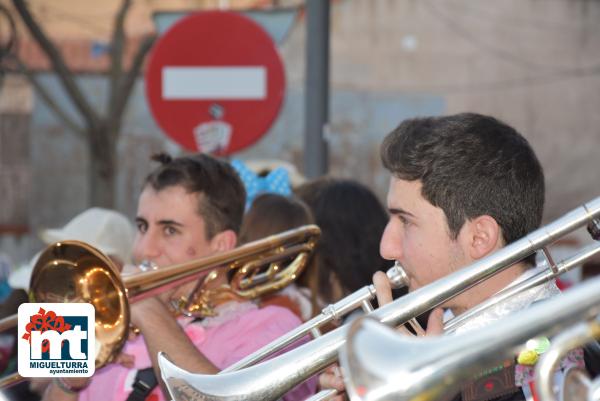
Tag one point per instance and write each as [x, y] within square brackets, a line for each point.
[213, 83]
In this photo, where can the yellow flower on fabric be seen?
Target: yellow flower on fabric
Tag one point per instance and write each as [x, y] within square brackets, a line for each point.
[533, 349]
[527, 357]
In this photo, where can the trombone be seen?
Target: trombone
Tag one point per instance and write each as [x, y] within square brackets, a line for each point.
[271, 379]
[433, 368]
[577, 384]
[72, 271]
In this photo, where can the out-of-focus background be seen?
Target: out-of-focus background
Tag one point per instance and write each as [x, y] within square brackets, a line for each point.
[534, 64]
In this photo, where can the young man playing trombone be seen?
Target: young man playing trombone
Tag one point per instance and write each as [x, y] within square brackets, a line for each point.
[190, 207]
[461, 187]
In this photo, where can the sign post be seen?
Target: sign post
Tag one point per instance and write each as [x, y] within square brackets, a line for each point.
[215, 82]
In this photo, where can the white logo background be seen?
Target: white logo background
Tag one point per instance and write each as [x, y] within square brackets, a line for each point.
[78, 365]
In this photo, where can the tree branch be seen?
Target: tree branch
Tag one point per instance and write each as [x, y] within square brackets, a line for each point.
[50, 102]
[64, 74]
[8, 46]
[128, 81]
[116, 52]
[11, 43]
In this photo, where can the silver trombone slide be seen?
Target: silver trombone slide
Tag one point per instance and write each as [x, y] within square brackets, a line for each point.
[541, 277]
[381, 364]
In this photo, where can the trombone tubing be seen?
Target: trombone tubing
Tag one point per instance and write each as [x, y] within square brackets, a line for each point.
[436, 366]
[146, 284]
[272, 379]
[10, 380]
[537, 279]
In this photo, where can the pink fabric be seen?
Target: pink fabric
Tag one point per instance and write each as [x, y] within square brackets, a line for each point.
[223, 344]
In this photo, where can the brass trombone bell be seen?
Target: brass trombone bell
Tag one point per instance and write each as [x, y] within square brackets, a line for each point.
[75, 272]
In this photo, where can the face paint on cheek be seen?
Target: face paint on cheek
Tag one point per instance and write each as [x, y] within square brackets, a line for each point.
[190, 251]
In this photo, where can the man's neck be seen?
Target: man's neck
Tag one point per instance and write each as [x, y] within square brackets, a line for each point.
[487, 288]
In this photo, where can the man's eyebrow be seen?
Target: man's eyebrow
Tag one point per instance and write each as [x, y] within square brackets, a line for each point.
[397, 210]
[170, 223]
[160, 222]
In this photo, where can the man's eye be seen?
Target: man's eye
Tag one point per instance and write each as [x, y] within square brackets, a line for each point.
[170, 230]
[403, 219]
[142, 227]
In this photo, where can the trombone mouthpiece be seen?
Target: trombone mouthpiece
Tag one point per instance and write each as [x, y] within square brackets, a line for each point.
[147, 265]
[397, 276]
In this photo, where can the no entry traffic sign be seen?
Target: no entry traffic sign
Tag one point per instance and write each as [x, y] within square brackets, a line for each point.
[215, 82]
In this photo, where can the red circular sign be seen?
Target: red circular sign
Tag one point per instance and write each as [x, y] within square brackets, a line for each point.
[215, 82]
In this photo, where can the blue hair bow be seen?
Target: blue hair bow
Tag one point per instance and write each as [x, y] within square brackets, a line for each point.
[276, 182]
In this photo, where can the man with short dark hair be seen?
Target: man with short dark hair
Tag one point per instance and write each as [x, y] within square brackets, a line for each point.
[190, 207]
[461, 187]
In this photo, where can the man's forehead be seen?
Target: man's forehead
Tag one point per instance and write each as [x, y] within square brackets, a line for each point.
[168, 205]
[168, 195]
[403, 194]
[394, 193]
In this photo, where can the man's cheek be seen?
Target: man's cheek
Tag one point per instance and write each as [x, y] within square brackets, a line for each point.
[191, 251]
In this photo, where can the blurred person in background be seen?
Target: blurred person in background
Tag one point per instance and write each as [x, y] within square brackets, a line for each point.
[107, 230]
[352, 221]
[272, 214]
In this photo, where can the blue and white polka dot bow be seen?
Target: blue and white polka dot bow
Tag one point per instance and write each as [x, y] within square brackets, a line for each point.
[277, 182]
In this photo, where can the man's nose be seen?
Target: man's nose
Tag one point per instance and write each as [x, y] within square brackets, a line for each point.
[146, 247]
[390, 246]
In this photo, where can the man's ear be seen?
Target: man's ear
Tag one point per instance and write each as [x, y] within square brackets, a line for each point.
[484, 236]
[223, 241]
